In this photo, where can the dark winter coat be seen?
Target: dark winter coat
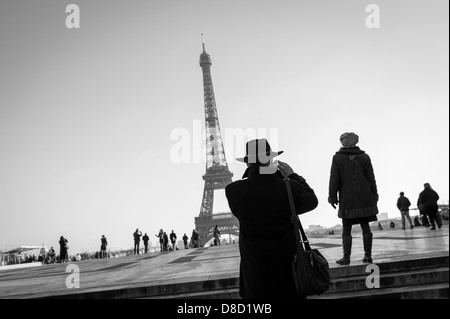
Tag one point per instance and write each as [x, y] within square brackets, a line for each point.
[266, 234]
[403, 203]
[63, 247]
[104, 243]
[353, 185]
[429, 198]
[137, 237]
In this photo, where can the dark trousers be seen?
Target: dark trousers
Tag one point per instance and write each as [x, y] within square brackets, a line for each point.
[136, 247]
[432, 212]
[62, 255]
[145, 248]
[434, 218]
[347, 229]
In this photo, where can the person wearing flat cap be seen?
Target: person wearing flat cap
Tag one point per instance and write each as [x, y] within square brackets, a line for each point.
[353, 187]
[266, 236]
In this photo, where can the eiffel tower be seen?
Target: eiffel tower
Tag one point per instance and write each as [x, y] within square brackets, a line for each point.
[217, 175]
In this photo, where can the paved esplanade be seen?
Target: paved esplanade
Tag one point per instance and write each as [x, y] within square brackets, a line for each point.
[183, 271]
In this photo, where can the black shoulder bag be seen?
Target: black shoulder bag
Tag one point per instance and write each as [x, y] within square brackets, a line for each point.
[310, 269]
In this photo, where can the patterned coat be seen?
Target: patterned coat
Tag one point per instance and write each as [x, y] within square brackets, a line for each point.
[353, 186]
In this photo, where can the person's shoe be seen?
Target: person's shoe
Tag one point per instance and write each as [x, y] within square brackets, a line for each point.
[367, 259]
[403, 228]
[347, 245]
[411, 227]
[343, 261]
[433, 228]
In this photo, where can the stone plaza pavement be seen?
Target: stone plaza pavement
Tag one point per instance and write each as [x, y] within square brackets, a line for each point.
[181, 272]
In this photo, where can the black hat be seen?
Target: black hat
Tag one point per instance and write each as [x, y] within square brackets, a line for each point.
[258, 151]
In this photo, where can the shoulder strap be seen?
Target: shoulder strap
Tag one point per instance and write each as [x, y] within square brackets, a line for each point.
[298, 228]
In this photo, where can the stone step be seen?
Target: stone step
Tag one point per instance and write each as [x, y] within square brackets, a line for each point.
[426, 291]
[418, 281]
[420, 289]
[415, 262]
[230, 293]
[392, 279]
[346, 280]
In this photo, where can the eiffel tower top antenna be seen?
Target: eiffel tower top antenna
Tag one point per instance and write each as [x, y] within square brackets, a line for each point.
[203, 42]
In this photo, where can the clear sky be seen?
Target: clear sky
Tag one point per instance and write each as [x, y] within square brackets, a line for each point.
[86, 115]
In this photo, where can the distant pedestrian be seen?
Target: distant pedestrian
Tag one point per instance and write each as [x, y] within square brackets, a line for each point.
[216, 235]
[161, 239]
[428, 202]
[194, 238]
[104, 243]
[380, 227]
[173, 239]
[392, 224]
[352, 178]
[403, 204]
[185, 241]
[145, 239]
[63, 249]
[137, 240]
[51, 255]
[166, 241]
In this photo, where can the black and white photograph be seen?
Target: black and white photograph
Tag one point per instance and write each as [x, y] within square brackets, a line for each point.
[244, 154]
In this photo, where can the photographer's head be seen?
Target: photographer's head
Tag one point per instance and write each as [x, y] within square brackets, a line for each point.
[260, 154]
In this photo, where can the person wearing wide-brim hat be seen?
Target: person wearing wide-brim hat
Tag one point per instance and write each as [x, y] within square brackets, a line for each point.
[258, 151]
[266, 236]
[353, 187]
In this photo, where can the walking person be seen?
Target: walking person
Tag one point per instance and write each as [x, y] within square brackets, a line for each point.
[161, 239]
[194, 238]
[267, 241]
[216, 235]
[353, 187]
[173, 239]
[104, 243]
[63, 249]
[185, 241]
[145, 239]
[428, 202]
[403, 204]
[137, 240]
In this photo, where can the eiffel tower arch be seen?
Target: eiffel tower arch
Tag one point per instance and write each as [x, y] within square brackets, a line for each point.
[217, 175]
